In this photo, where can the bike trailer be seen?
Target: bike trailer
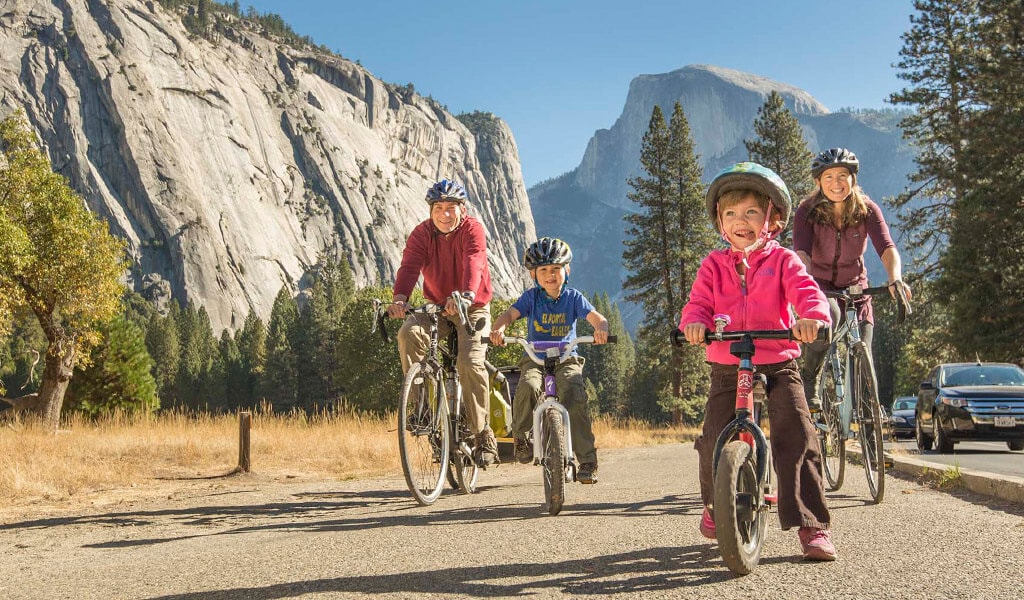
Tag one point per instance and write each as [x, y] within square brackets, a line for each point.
[503, 388]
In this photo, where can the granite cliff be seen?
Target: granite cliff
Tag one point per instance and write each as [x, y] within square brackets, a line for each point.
[231, 160]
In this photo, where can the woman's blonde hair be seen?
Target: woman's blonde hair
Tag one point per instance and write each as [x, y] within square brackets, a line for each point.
[855, 208]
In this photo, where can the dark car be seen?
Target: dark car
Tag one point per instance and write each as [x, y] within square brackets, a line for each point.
[971, 401]
[901, 417]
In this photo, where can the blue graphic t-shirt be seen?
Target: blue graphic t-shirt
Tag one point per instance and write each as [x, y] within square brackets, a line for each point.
[552, 320]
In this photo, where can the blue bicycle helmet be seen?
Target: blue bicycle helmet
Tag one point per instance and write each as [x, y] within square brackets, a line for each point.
[749, 176]
[447, 190]
[834, 157]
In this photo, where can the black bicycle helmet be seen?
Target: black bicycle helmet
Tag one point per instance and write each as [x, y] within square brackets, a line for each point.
[749, 176]
[448, 191]
[547, 251]
[834, 157]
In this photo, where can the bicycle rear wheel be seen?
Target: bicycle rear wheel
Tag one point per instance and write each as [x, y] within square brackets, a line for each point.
[464, 471]
[869, 420]
[553, 459]
[423, 434]
[833, 443]
[740, 519]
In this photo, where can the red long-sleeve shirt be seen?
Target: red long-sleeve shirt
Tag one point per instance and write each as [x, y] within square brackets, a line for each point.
[454, 263]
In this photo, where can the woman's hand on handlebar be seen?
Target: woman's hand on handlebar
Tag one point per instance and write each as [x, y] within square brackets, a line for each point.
[806, 330]
[694, 333]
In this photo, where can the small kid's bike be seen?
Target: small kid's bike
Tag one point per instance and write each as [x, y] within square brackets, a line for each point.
[433, 433]
[742, 464]
[552, 432]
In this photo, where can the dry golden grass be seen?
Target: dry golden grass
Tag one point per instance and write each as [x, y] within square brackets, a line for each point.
[87, 458]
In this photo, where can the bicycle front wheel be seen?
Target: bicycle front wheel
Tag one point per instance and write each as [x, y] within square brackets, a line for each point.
[463, 466]
[833, 443]
[423, 434]
[740, 518]
[553, 460]
[869, 421]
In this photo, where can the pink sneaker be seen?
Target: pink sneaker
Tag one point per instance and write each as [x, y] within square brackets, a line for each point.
[707, 525]
[817, 544]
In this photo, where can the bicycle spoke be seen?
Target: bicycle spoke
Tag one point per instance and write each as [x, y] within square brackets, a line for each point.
[423, 435]
[870, 424]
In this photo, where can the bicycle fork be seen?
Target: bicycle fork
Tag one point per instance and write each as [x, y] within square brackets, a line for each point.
[550, 401]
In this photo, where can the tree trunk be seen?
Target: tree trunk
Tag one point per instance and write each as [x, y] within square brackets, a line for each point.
[56, 377]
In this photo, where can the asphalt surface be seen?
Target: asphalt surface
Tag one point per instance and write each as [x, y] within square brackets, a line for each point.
[632, 535]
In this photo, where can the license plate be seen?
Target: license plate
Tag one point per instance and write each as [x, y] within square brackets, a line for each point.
[1005, 422]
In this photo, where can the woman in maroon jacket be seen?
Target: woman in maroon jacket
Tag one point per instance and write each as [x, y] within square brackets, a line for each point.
[831, 229]
[450, 251]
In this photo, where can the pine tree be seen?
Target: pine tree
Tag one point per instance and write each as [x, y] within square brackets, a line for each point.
[162, 345]
[609, 366]
[666, 241]
[280, 375]
[780, 146]
[119, 376]
[252, 348]
[372, 377]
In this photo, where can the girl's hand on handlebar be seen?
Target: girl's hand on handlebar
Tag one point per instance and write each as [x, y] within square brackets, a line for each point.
[806, 330]
[694, 333]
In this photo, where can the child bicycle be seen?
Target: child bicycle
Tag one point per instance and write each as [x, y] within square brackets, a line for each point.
[848, 366]
[742, 464]
[433, 435]
[552, 433]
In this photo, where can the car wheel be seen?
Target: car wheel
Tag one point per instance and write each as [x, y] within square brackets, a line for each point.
[943, 445]
[924, 441]
[1016, 446]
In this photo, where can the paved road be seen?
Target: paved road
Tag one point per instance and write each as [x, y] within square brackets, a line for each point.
[633, 535]
[993, 457]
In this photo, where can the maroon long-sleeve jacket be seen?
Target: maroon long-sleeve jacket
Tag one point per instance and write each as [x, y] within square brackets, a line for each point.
[448, 264]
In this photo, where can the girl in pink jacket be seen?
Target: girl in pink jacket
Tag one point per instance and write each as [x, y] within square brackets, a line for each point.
[757, 282]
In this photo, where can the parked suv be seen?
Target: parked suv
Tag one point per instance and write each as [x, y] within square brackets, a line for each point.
[977, 401]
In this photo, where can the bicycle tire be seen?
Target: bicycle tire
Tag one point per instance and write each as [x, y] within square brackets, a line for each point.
[869, 419]
[740, 521]
[553, 459]
[833, 443]
[463, 471]
[423, 434]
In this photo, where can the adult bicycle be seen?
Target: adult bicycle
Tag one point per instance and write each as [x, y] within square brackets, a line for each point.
[849, 370]
[742, 464]
[433, 431]
[552, 429]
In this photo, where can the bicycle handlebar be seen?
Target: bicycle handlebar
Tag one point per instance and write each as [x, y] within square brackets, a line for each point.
[679, 340]
[550, 348]
[429, 308]
[855, 292]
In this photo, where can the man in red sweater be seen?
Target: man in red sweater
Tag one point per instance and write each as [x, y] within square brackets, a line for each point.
[450, 250]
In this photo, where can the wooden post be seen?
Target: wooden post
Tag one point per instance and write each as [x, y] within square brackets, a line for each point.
[244, 427]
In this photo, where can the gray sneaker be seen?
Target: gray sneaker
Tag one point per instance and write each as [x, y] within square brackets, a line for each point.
[524, 451]
[486, 448]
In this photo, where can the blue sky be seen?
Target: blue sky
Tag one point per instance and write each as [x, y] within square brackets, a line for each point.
[556, 71]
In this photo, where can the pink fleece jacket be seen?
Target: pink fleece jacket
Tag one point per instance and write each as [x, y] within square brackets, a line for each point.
[775, 280]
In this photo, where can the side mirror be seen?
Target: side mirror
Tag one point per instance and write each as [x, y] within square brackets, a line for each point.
[926, 385]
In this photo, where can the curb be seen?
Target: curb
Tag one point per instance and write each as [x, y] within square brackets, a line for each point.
[1004, 487]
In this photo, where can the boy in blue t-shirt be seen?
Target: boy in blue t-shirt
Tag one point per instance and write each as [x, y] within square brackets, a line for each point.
[551, 310]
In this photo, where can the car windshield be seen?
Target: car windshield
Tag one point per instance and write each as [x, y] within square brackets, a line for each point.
[903, 404]
[983, 375]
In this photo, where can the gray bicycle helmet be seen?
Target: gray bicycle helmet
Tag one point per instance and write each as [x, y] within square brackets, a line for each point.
[749, 176]
[448, 191]
[834, 157]
[547, 251]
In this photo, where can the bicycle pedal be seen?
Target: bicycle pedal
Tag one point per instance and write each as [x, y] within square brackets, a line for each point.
[771, 499]
[889, 463]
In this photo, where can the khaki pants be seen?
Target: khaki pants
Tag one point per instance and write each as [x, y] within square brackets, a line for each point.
[414, 337]
[571, 393]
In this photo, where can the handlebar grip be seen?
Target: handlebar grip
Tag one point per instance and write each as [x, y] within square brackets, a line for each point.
[485, 340]
[613, 339]
[676, 338]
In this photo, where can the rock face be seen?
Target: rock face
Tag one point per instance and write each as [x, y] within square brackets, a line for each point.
[231, 163]
[586, 206]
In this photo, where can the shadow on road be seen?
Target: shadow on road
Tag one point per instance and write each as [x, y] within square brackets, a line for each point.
[650, 570]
